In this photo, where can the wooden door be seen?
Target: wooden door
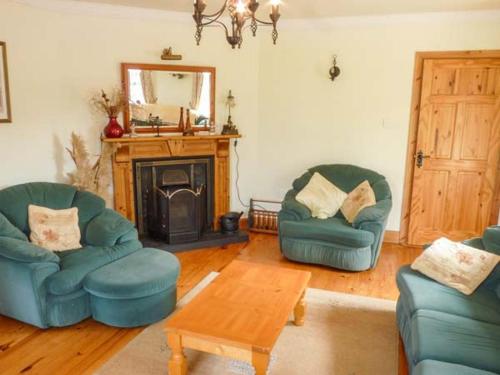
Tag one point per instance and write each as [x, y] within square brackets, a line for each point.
[457, 149]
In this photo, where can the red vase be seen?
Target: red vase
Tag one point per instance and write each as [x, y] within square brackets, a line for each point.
[113, 129]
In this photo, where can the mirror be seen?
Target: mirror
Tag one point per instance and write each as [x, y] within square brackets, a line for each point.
[156, 94]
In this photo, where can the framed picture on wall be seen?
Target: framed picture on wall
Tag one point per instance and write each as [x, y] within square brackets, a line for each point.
[5, 110]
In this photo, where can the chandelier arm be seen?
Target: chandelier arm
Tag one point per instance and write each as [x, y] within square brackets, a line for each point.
[212, 21]
[264, 23]
[219, 23]
[216, 14]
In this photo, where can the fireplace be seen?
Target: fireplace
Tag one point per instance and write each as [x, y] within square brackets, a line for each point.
[174, 198]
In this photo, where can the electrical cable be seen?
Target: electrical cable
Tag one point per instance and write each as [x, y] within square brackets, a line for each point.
[238, 179]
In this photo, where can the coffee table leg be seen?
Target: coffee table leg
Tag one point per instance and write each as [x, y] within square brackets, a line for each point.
[177, 364]
[300, 311]
[260, 362]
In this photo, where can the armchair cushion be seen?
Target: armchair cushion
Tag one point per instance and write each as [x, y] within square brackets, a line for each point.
[323, 198]
[54, 230]
[76, 265]
[361, 197]
[334, 230]
[25, 252]
[107, 228]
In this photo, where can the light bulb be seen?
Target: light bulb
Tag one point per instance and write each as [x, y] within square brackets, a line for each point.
[275, 2]
[240, 7]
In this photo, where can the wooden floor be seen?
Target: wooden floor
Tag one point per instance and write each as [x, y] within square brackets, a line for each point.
[83, 348]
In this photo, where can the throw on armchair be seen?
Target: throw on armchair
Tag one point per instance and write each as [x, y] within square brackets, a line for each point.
[46, 288]
[334, 242]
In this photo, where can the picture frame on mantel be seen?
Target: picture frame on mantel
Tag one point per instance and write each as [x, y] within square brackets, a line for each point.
[5, 108]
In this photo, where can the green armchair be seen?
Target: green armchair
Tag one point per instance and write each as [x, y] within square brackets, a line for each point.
[334, 242]
[45, 288]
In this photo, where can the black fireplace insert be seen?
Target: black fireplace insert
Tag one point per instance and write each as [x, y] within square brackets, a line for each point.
[174, 198]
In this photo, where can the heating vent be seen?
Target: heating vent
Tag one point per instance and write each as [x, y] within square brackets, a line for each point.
[263, 216]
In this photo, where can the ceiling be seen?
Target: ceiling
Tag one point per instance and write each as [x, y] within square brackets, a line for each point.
[327, 8]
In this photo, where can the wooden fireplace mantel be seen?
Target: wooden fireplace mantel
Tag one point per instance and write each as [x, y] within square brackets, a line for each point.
[127, 149]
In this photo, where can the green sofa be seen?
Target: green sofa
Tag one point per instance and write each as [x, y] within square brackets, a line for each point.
[334, 242]
[111, 278]
[446, 332]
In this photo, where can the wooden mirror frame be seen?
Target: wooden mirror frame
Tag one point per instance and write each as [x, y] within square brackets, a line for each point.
[167, 68]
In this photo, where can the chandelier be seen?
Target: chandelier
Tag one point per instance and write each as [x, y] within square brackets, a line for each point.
[240, 12]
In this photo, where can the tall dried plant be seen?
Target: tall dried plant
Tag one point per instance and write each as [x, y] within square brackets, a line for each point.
[94, 177]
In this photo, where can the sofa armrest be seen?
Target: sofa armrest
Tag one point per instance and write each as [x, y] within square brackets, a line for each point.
[108, 229]
[377, 213]
[292, 210]
[7, 229]
[25, 252]
[476, 242]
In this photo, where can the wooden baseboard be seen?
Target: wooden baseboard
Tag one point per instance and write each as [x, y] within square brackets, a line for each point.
[391, 236]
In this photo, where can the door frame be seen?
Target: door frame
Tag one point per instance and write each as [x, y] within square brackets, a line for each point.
[420, 57]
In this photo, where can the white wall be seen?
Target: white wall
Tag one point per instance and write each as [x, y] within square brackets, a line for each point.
[362, 118]
[60, 53]
[292, 116]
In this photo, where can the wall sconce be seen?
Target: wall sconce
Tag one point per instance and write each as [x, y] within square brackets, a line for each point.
[334, 70]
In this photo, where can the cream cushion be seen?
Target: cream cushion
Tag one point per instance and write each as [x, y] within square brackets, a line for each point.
[322, 197]
[362, 196]
[456, 265]
[55, 230]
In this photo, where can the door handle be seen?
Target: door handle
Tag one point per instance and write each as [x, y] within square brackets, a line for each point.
[420, 158]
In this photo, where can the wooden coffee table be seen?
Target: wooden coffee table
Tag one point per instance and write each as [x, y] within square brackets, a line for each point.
[239, 315]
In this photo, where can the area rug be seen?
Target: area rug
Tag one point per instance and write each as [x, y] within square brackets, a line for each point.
[343, 335]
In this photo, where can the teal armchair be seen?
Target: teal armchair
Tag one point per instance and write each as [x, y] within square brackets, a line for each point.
[48, 289]
[334, 242]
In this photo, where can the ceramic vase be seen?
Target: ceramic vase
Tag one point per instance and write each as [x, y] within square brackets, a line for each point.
[113, 129]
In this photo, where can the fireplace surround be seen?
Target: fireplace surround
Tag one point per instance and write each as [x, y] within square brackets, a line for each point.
[127, 151]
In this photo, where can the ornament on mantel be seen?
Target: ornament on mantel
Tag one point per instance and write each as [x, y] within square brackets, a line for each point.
[230, 127]
[110, 105]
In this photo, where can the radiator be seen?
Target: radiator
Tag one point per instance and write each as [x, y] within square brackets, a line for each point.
[261, 218]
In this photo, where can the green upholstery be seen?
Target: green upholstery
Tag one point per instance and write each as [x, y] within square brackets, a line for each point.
[422, 293]
[25, 252]
[445, 331]
[135, 290]
[14, 201]
[334, 242]
[107, 229]
[10, 231]
[76, 265]
[430, 367]
[46, 289]
[333, 230]
[475, 343]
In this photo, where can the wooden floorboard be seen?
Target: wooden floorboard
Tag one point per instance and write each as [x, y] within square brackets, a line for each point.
[84, 347]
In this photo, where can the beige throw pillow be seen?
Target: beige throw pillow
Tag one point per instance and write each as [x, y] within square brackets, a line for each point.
[456, 265]
[54, 230]
[361, 197]
[322, 197]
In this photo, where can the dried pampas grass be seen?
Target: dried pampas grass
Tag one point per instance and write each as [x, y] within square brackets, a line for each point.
[93, 177]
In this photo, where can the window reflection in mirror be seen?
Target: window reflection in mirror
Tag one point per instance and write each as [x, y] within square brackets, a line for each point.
[157, 94]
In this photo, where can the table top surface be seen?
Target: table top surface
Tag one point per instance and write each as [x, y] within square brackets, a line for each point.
[246, 306]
